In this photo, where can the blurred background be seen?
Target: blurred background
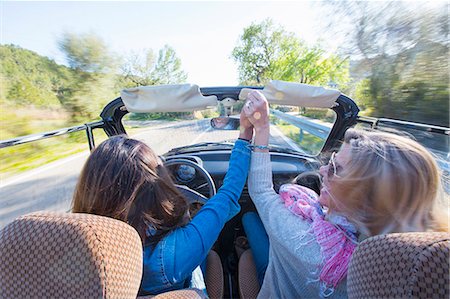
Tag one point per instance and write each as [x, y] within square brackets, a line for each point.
[61, 62]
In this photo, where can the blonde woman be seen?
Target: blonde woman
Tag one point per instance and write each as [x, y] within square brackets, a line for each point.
[377, 183]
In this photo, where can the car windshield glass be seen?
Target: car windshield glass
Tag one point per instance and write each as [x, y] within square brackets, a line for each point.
[295, 129]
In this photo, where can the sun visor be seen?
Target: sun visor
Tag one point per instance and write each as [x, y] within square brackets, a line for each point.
[296, 94]
[166, 98]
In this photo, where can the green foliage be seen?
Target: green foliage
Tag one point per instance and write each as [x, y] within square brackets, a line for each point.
[13, 125]
[86, 52]
[208, 113]
[88, 98]
[362, 95]
[309, 143]
[237, 107]
[142, 69]
[266, 51]
[90, 82]
[93, 84]
[403, 70]
[33, 87]
[168, 68]
[34, 154]
[16, 122]
[161, 116]
[326, 115]
[30, 79]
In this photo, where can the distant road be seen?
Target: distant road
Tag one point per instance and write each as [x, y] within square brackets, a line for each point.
[51, 187]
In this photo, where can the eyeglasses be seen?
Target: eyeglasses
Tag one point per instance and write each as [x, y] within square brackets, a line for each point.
[332, 167]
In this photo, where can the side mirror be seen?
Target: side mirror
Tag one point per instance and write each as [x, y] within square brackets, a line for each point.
[225, 123]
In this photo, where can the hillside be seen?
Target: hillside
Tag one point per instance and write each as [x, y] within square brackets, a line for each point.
[30, 79]
[35, 93]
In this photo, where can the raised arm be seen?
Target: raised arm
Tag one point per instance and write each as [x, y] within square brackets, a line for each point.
[260, 184]
[195, 240]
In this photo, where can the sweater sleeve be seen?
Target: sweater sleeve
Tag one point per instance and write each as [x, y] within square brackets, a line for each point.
[260, 185]
[294, 255]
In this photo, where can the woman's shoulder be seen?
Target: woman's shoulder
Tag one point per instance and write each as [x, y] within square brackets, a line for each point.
[285, 227]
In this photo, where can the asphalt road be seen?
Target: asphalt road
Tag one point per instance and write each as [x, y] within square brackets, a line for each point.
[51, 187]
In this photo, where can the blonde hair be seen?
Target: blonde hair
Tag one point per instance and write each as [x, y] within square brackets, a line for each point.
[390, 184]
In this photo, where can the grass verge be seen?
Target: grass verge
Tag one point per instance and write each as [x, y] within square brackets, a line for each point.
[20, 158]
[309, 143]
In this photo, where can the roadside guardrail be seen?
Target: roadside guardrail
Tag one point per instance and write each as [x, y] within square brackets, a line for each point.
[303, 123]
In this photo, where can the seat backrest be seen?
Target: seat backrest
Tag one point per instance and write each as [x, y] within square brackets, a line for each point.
[248, 278]
[180, 294]
[65, 255]
[407, 265]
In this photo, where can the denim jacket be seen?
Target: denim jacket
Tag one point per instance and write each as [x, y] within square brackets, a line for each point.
[169, 264]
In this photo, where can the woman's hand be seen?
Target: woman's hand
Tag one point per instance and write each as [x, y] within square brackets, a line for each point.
[257, 110]
[246, 127]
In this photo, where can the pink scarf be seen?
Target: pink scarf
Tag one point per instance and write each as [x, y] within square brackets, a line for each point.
[336, 235]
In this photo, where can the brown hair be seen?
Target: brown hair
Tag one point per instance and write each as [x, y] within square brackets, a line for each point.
[390, 184]
[124, 179]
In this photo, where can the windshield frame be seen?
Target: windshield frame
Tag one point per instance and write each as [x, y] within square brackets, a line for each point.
[346, 114]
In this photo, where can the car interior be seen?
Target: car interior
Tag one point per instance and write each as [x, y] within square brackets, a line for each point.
[83, 256]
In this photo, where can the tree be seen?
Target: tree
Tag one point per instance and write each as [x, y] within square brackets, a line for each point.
[94, 79]
[266, 51]
[400, 50]
[144, 69]
[86, 52]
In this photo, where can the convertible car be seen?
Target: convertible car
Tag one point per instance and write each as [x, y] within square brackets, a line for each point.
[42, 254]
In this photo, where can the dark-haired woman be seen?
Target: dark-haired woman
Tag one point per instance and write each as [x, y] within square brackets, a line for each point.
[124, 179]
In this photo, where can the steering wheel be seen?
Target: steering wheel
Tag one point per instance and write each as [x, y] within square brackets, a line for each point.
[191, 195]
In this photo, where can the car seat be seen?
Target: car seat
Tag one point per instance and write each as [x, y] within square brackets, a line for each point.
[74, 255]
[406, 265]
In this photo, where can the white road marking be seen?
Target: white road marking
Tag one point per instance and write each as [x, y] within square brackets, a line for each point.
[201, 135]
[37, 171]
[44, 168]
[292, 144]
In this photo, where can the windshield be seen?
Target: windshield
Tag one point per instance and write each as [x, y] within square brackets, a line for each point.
[294, 129]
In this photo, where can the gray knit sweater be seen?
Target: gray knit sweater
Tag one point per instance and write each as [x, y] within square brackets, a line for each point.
[294, 257]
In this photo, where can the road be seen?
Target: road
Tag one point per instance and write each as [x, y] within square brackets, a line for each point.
[51, 187]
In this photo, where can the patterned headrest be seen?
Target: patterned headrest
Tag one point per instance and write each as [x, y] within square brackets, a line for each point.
[407, 265]
[64, 255]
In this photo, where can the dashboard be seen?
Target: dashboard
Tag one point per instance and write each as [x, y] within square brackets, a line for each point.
[285, 168]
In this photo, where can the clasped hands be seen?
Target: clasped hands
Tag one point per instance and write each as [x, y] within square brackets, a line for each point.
[255, 112]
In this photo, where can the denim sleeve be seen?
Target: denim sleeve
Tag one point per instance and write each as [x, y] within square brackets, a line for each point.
[194, 241]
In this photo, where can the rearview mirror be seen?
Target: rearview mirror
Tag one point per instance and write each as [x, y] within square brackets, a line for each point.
[225, 123]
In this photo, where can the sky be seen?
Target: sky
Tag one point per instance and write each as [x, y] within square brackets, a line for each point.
[203, 33]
